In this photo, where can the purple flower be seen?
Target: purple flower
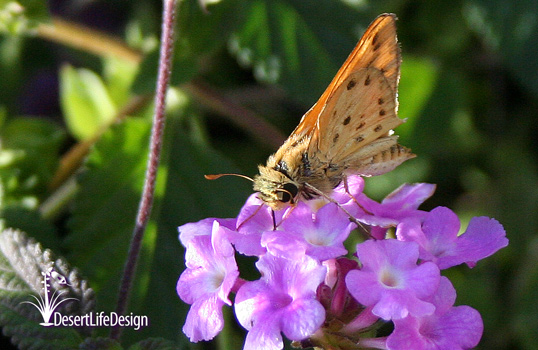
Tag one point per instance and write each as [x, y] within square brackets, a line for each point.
[201, 228]
[399, 205]
[205, 284]
[439, 241]
[320, 234]
[310, 292]
[283, 300]
[254, 218]
[449, 328]
[391, 281]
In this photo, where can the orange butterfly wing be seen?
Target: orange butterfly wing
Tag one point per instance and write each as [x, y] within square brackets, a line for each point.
[378, 48]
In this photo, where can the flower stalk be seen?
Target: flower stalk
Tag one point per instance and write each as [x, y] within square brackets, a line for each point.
[146, 203]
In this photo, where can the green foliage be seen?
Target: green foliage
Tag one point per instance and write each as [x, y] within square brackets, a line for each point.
[20, 17]
[28, 157]
[86, 102]
[469, 92]
[23, 265]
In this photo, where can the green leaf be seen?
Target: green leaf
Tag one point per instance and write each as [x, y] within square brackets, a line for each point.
[119, 76]
[199, 34]
[31, 222]
[417, 82]
[155, 344]
[29, 155]
[511, 28]
[20, 17]
[105, 207]
[295, 43]
[85, 101]
[23, 267]
[100, 343]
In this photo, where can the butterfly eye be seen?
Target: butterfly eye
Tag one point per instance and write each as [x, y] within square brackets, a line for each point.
[283, 196]
[287, 193]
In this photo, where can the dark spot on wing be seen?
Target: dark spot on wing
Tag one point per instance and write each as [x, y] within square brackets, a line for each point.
[380, 101]
[351, 84]
[382, 112]
[336, 137]
[367, 81]
[359, 138]
[360, 126]
[374, 39]
[378, 128]
[347, 120]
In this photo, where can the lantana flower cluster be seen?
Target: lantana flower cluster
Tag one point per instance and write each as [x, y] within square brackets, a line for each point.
[386, 293]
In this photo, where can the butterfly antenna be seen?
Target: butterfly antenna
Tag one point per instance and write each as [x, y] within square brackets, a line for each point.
[216, 176]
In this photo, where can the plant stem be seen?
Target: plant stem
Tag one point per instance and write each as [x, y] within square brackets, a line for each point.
[86, 39]
[146, 202]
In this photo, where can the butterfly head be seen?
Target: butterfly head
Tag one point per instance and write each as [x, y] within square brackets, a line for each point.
[275, 188]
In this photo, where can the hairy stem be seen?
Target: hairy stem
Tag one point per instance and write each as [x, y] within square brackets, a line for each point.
[146, 202]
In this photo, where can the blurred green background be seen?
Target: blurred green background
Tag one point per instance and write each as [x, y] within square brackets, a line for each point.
[75, 120]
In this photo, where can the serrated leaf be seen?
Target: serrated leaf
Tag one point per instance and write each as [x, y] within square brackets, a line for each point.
[295, 43]
[100, 343]
[85, 102]
[155, 344]
[23, 16]
[24, 266]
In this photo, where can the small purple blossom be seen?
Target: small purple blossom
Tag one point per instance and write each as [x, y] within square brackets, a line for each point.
[400, 204]
[449, 328]
[320, 234]
[205, 284]
[310, 289]
[439, 242]
[201, 228]
[283, 300]
[391, 281]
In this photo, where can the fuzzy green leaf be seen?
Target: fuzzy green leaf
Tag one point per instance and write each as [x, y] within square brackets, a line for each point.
[23, 266]
[155, 344]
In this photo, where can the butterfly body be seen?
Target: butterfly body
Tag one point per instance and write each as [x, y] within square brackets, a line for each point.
[349, 129]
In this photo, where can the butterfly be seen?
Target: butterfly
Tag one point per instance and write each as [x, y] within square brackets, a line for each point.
[347, 131]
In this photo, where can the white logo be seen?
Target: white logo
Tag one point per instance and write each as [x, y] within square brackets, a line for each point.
[48, 303]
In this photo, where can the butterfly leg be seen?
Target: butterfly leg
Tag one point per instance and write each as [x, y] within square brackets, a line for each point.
[251, 216]
[284, 217]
